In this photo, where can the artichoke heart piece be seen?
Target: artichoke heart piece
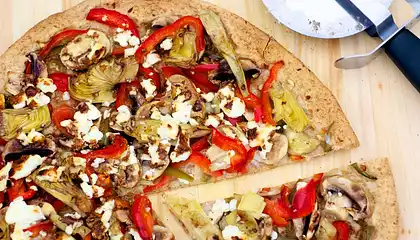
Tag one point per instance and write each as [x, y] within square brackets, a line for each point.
[300, 143]
[13, 121]
[183, 50]
[287, 109]
[218, 35]
[144, 129]
[65, 191]
[193, 217]
[252, 203]
[98, 83]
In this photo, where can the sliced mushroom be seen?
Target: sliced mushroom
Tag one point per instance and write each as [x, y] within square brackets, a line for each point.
[224, 74]
[14, 149]
[85, 50]
[312, 222]
[127, 177]
[299, 226]
[335, 187]
[162, 233]
[164, 106]
[278, 151]
[151, 173]
[188, 89]
[266, 226]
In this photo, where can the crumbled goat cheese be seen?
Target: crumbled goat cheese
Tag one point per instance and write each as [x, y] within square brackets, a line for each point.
[66, 96]
[182, 111]
[23, 215]
[193, 122]
[236, 109]
[32, 137]
[133, 232]
[97, 162]
[232, 232]
[46, 85]
[151, 59]
[262, 139]
[214, 120]
[107, 113]
[166, 44]
[4, 176]
[208, 96]
[26, 167]
[168, 130]
[149, 87]
[34, 188]
[227, 92]
[22, 101]
[93, 135]
[106, 211]
[220, 206]
[274, 235]
[74, 215]
[50, 173]
[122, 38]
[40, 99]
[130, 51]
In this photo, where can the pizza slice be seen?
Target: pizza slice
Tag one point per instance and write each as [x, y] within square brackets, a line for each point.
[156, 95]
[356, 202]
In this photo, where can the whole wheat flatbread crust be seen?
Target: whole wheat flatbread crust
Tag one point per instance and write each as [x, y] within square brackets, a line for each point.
[322, 108]
[385, 217]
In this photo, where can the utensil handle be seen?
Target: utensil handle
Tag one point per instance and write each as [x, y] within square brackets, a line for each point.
[404, 50]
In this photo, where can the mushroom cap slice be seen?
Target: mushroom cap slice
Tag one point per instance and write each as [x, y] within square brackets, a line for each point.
[363, 205]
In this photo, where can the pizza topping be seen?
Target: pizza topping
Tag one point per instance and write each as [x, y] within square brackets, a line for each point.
[85, 50]
[192, 215]
[59, 39]
[182, 149]
[265, 93]
[113, 18]
[350, 196]
[97, 85]
[252, 203]
[287, 109]
[170, 31]
[232, 232]
[46, 85]
[149, 88]
[13, 121]
[214, 27]
[26, 166]
[300, 143]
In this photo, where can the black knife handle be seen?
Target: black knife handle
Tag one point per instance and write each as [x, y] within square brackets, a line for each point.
[404, 50]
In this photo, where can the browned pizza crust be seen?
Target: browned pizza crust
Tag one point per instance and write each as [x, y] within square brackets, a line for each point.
[385, 216]
[321, 107]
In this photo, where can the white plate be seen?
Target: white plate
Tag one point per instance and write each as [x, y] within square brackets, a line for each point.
[320, 18]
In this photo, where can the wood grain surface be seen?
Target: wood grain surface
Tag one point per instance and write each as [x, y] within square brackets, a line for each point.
[380, 103]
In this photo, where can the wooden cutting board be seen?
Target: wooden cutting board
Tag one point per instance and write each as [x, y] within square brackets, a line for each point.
[380, 103]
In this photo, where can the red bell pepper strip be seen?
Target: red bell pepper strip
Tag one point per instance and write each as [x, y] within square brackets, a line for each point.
[239, 160]
[201, 144]
[275, 212]
[296, 157]
[142, 215]
[305, 198]
[113, 18]
[61, 80]
[201, 79]
[170, 31]
[205, 67]
[152, 74]
[63, 112]
[45, 226]
[20, 189]
[201, 161]
[265, 96]
[343, 230]
[88, 237]
[160, 183]
[249, 157]
[118, 51]
[114, 150]
[168, 71]
[60, 39]
[124, 92]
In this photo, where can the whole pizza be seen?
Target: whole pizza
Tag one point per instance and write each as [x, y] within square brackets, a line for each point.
[112, 100]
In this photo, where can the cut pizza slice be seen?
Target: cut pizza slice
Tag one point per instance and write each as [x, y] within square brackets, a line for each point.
[356, 202]
[157, 95]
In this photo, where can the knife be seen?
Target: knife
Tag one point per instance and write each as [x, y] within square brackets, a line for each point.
[401, 45]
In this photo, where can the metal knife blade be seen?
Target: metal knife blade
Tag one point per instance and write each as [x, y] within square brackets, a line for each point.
[375, 16]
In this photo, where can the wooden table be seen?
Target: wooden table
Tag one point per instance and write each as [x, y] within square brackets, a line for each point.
[380, 103]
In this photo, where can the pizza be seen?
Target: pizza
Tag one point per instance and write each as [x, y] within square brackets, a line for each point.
[115, 98]
[356, 202]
